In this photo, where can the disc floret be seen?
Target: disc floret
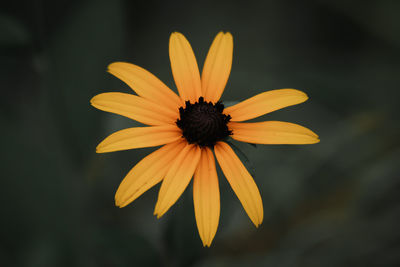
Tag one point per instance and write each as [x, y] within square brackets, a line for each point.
[203, 123]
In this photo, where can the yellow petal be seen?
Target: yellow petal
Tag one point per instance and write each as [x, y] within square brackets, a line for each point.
[206, 197]
[264, 103]
[135, 107]
[147, 173]
[272, 132]
[184, 68]
[217, 67]
[241, 182]
[145, 84]
[177, 178]
[139, 137]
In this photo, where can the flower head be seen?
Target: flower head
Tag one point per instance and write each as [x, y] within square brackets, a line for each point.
[191, 128]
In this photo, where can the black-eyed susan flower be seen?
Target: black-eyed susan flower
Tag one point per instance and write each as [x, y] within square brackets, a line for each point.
[191, 128]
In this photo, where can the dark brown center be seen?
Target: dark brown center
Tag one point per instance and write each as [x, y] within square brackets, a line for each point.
[203, 123]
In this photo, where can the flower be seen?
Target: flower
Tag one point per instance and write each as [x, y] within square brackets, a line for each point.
[191, 128]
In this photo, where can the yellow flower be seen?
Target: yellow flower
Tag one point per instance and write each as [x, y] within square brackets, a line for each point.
[191, 128]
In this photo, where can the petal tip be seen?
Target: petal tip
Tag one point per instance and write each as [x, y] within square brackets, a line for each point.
[299, 93]
[118, 200]
[94, 100]
[114, 64]
[157, 212]
[220, 33]
[99, 148]
[121, 204]
[114, 67]
[294, 93]
[175, 34]
[158, 215]
[306, 97]
[315, 136]
[228, 35]
[206, 241]
[111, 66]
[258, 222]
[224, 33]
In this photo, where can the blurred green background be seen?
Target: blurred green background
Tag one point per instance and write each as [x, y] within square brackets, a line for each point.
[336, 203]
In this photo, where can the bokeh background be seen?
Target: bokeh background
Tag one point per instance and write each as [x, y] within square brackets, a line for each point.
[336, 203]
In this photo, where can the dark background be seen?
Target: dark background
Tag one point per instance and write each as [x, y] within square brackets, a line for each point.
[336, 203]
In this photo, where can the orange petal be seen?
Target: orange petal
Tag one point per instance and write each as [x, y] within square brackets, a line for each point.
[184, 68]
[135, 107]
[139, 137]
[272, 132]
[206, 197]
[147, 173]
[241, 182]
[177, 178]
[264, 103]
[217, 67]
[145, 84]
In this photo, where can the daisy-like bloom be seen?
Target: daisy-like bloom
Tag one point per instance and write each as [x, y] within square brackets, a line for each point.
[191, 128]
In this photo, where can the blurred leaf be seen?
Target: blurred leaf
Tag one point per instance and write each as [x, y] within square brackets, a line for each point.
[243, 158]
[229, 103]
[89, 40]
[13, 31]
